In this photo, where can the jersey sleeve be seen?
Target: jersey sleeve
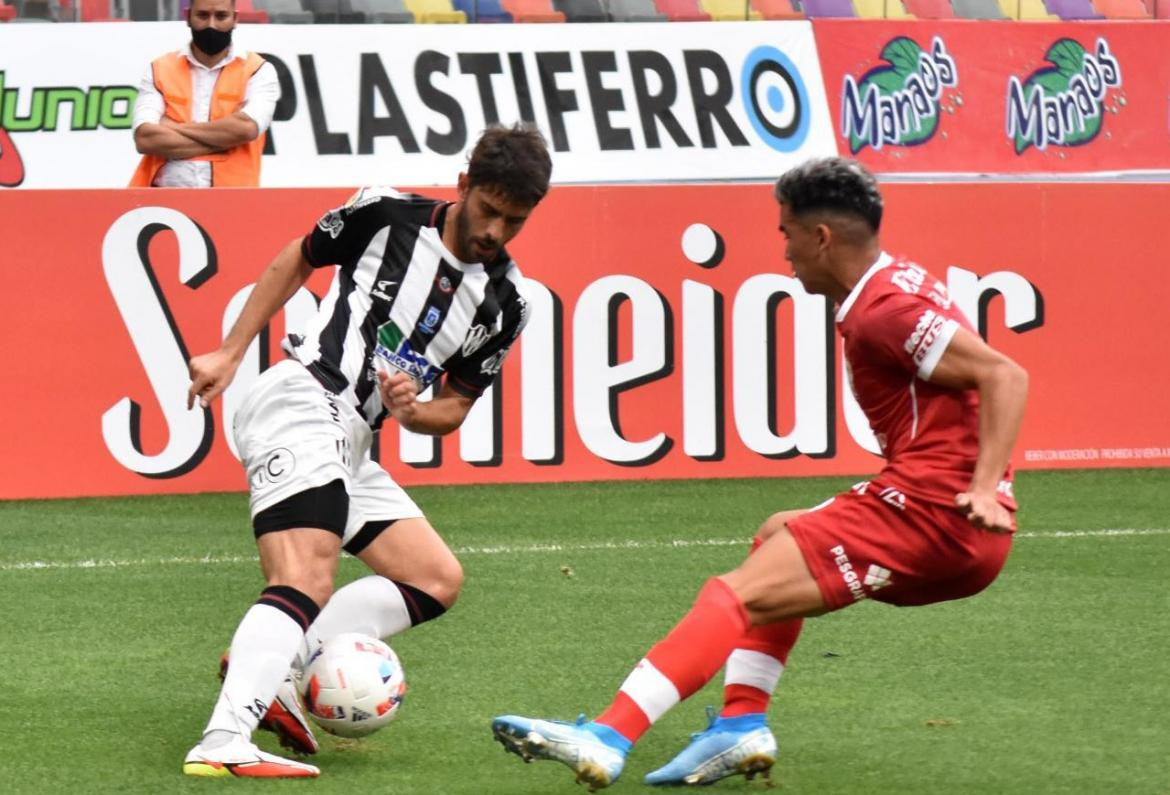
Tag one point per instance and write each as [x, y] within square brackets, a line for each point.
[909, 332]
[343, 233]
[476, 372]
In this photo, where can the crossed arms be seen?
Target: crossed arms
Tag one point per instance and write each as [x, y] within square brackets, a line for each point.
[180, 140]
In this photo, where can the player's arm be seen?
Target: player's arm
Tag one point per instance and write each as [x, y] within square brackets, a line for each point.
[212, 372]
[436, 417]
[970, 363]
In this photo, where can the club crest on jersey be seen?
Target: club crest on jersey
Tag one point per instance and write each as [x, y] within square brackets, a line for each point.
[430, 320]
[477, 335]
[445, 285]
[394, 348]
[331, 222]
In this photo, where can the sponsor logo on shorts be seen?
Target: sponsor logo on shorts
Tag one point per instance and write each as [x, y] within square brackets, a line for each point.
[276, 467]
[848, 573]
[877, 577]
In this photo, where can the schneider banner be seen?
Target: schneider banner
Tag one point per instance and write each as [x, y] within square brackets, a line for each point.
[403, 104]
[988, 97]
[671, 344]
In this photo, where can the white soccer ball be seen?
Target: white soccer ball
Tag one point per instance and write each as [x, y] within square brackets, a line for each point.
[353, 685]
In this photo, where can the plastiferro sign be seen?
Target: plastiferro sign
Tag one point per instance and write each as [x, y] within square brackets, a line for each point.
[404, 104]
[682, 348]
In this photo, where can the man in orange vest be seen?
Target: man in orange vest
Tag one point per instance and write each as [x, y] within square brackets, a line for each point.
[202, 111]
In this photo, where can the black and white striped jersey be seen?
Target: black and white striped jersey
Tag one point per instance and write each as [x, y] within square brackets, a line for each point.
[400, 301]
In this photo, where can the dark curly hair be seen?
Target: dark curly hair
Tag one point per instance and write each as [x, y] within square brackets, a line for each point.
[512, 160]
[832, 184]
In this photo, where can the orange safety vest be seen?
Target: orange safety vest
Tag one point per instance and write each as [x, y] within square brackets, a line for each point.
[237, 167]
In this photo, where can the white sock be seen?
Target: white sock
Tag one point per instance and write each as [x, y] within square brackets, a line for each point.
[262, 648]
[372, 606]
[754, 669]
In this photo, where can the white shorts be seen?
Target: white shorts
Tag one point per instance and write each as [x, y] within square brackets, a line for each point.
[293, 435]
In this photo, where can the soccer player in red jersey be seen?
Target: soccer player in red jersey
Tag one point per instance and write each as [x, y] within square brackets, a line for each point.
[935, 524]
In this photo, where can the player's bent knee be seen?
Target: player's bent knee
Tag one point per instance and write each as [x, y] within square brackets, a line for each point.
[774, 523]
[446, 582]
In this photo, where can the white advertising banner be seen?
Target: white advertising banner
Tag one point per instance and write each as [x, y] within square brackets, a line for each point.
[403, 104]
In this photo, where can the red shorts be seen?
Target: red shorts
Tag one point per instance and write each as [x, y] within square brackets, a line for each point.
[875, 542]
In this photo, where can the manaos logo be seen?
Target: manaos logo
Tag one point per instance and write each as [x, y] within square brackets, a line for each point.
[1063, 104]
[900, 102]
[109, 107]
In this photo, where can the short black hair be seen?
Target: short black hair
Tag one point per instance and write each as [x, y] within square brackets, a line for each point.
[513, 160]
[833, 184]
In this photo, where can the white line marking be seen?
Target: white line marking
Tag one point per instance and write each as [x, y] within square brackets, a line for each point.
[524, 549]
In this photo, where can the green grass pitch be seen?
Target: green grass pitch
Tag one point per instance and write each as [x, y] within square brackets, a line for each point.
[1055, 680]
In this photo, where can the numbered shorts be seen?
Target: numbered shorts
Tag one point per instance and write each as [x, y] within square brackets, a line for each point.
[875, 542]
[292, 435]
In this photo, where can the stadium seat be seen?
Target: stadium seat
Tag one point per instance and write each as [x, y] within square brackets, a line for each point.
[777, 9]
[246, 12]
[582, 10]
[882, 9]
[532, 11]
[7, 12]
[1072, 9]
[930, 9]
[1027, 10]
[828, 8]
[730, 10]
[685, 10]
[284, 11]
[35, 11]
[635, 11]
[435, 12]
[978, 9]
[1122, 9]
[393, 12]
[333, 11]
[482, 10]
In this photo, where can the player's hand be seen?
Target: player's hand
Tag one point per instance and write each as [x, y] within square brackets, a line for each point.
[210, 374]
[985, 511]
[399, 395]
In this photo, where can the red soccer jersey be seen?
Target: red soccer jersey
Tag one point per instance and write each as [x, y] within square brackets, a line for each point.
[897, 322]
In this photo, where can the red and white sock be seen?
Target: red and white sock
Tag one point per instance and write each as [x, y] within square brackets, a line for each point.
[680, 663]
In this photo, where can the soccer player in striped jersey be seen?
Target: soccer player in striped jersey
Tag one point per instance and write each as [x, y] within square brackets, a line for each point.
[424, 292]
[935, 524]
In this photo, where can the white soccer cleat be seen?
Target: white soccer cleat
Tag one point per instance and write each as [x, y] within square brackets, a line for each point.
[243, 759]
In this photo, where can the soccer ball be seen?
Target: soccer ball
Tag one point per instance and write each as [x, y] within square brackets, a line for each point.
[353, 685]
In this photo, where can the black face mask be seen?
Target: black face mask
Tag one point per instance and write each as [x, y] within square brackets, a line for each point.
[211, 41]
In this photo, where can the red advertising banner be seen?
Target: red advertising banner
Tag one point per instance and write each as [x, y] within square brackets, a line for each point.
[667, 340]
[985, 97]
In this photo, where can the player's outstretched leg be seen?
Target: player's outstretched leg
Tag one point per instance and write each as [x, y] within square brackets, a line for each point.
[243, 759]
[596, 753]
[728, 746]
[285, 717]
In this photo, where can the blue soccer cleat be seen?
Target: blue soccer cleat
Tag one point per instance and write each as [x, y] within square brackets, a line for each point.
[596, 753]
[729, 746]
